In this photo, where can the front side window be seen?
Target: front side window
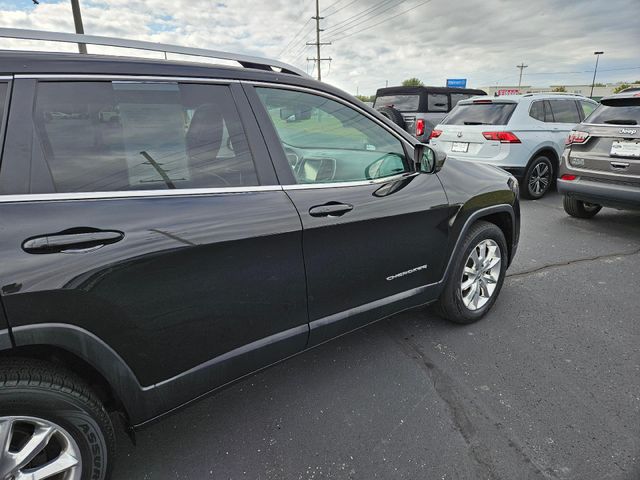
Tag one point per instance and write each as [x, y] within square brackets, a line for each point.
[565, 111]
[587, 108]
[437, 102]
[114, 136]
[326, 141]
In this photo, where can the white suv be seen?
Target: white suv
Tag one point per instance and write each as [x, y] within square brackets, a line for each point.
[523, 134]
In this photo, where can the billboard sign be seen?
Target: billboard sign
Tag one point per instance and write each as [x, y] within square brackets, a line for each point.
[456, 82]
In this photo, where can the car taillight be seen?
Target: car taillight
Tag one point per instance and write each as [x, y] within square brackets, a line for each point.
[419, 127]
[568, 177]
[576, 136]
[435, 134]
[502, 137]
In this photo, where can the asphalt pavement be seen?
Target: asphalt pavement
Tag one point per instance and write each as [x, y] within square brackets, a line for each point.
[547, 386]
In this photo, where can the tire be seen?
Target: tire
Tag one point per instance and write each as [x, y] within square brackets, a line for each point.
[38, 399]
[451, 304]
[580, 209]
[540, 170]
[394, 115]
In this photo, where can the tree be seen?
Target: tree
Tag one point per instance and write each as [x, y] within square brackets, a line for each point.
[559, 88]
[599, 84]
[621, 87]
[412, 82]
[365, 98]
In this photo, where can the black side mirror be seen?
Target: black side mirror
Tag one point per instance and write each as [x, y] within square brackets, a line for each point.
[428, 159]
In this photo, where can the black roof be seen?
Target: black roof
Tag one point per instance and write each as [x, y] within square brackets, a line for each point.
[427, 89]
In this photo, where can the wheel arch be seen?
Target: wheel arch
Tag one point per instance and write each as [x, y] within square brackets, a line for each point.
[86, 355]
[549, 152]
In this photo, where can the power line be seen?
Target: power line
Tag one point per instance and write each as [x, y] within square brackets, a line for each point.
[361, 16]
[332, 5]
[346, 28]
[342, 8]
[318, 44]
[379, 23]
[294, 38]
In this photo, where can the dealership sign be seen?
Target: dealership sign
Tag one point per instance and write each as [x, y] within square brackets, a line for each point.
[508, 91]
[456, 82]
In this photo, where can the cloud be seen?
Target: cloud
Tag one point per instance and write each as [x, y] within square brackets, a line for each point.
[480, 40]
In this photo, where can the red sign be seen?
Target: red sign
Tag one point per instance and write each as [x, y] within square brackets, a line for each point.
[508, 91]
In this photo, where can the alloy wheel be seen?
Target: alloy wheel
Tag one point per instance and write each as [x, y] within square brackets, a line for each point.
[480, 274]
[33, 448]
[540, 179]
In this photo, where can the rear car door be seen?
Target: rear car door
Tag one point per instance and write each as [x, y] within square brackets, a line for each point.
[142, 212]
[374, 233]
[566, 115]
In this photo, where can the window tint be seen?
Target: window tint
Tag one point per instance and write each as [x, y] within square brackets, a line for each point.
[537, 110]
[587, 108]
[437, 102]
[480, 114]
[456, 97]
[403, 103]
[326, 141]
[622, 113]
[3, 102]
[565, 111]
[103, 136]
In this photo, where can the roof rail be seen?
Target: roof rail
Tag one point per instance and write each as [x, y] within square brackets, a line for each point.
[244, 60]
[551, 92]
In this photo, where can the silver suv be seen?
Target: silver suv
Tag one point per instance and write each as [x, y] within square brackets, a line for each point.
[523, 134]
[601, 164]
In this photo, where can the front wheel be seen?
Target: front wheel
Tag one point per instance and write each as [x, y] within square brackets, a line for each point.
[477, 275]
[51, 424]
[580, 209]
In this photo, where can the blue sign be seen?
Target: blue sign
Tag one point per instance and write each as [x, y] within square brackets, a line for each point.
[456, 82]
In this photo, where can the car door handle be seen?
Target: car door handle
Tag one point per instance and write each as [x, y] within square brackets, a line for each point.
[331, 209]
[74, 240]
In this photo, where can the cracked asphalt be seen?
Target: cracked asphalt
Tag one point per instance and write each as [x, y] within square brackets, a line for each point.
[547, 386]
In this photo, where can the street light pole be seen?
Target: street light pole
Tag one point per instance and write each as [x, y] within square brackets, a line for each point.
[77, 20]
[595, 70]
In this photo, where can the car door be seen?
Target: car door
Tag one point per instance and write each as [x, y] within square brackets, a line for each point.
[565, 116]
[142, 213]
[374, 232]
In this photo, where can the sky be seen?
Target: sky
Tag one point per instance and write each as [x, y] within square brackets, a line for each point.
[377, 41]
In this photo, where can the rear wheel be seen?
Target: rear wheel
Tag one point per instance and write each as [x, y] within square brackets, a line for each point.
[477, 275]
[51, 424]
[538, 178]
[580, 209]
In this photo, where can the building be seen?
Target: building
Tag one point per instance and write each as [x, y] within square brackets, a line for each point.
[598, 91]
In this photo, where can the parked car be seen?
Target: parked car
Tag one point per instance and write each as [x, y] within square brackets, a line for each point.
[419, 109]
[145, 264]
[601, 164]
[523, 134]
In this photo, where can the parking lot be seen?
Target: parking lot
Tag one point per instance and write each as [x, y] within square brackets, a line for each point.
[546, 386]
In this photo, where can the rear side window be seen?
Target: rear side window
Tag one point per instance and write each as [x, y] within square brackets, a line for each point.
[587, 108]
[437, 102]
[480, 114]
[621, 113]
[565, 111]
[403, 103]
[112, 136]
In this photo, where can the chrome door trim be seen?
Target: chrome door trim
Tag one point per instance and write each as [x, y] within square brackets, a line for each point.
[310, 186]
[70, 196]
[119, 77]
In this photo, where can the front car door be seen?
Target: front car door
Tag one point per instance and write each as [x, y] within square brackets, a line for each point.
[141, 213]
[374, 232]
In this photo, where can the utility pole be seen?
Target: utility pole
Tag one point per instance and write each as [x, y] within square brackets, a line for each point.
[521, 67]
[318, 43]
[595, 70]
[77, 20]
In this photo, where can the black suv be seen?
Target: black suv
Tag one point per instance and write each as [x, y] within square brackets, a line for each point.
[170, 227]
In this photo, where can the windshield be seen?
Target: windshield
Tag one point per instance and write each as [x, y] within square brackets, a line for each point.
[403, 103]
[480, 114]
[621, 113]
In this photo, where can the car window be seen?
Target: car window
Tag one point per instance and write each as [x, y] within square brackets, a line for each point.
[437, 102]
[456, 97]
[327, 141]
[113, 136]
[480, 114]
[587, 107]
[623, 112]
[402, 103]
[3, 101]
[565, 111]
[537, 110]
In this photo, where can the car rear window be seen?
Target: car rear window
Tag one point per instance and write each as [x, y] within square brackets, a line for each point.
[403, 103]
[480, 114]
[620, 113]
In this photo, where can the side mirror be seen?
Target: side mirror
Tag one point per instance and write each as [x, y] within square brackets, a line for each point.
[428, 159]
